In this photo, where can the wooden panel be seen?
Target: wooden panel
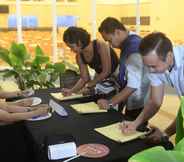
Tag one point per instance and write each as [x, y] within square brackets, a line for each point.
[145, 20]
[4, 9]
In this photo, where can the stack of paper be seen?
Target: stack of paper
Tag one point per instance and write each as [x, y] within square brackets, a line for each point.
[61, 97]
[113, 132]
[63, 150]
[85, 108]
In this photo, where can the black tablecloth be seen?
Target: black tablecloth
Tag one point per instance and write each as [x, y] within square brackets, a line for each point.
[81, 127]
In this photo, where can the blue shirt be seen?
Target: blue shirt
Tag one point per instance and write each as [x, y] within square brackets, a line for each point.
[129, 46]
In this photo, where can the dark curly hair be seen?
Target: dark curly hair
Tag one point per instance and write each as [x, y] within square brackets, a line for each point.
[75, 34]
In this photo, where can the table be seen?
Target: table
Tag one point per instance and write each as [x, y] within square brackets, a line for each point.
[81, 127]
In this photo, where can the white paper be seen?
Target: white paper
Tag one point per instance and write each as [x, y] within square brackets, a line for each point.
[60, 110]
[60, 151]
[36, 101]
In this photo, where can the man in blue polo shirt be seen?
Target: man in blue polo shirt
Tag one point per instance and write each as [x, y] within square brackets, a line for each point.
[132, 74]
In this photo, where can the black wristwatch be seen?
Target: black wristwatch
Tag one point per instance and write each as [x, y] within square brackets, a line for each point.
[113, 107]
[165, 138]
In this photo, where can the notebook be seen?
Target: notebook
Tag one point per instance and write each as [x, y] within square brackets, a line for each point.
[113, 132]
[85, 108]
[61, 97]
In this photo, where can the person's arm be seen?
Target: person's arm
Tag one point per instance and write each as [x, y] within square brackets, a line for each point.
[13, 117]
[134, 68]
[157, 135]
[4, 94]
[12, 108]
[122, 96]
[23, 93]
[84, 75]
[134, 77]
[150, 109]
[104, 52]
[118, 98]
[153, 105]
[171, 129]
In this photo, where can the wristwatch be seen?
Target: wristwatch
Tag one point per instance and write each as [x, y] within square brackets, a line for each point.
[112, 107]
[165, 138]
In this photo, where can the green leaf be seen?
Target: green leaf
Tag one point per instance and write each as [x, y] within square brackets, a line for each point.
[42, 77]
[38, 51]
[40, 60]
[59, 67]
[54, 77]
[157, 154]
[9, 73]
[49, 66]
[19, 51]
[15, 61]
[49, 85]
[4, 55]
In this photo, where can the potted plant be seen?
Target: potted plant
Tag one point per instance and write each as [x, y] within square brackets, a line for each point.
[36, 73]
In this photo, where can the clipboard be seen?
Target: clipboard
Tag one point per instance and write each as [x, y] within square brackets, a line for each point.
[88, 108]
[113, 132]
[61, 97]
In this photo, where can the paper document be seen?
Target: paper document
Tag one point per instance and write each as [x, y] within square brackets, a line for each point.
[60, 151]
[60, 110]
[113, 132]
[61, 97]
[85, 108]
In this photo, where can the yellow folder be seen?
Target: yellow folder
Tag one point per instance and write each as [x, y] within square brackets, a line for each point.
[61, 97]
[85, 108]
[113, 132]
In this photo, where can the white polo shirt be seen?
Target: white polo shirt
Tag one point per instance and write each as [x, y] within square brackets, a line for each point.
[137, 78]
[175, 78]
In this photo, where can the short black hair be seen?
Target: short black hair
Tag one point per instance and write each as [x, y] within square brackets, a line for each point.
[75, 34]
[156, 41]
[110, 24]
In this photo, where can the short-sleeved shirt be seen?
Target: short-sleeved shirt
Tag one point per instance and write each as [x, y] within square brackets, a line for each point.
[129, 46]
[137, 78]
[133, 73]
[96, 62]
[175, 77]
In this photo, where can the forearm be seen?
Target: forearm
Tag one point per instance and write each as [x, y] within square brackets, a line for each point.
[122, 96]
[9, 94]
[171, 129]
[98, 78]
[9, 107]
[13, 117]
[79, 85]
[150, 109]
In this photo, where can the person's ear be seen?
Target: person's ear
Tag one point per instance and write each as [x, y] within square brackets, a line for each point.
[79, 44]
[169, 58]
